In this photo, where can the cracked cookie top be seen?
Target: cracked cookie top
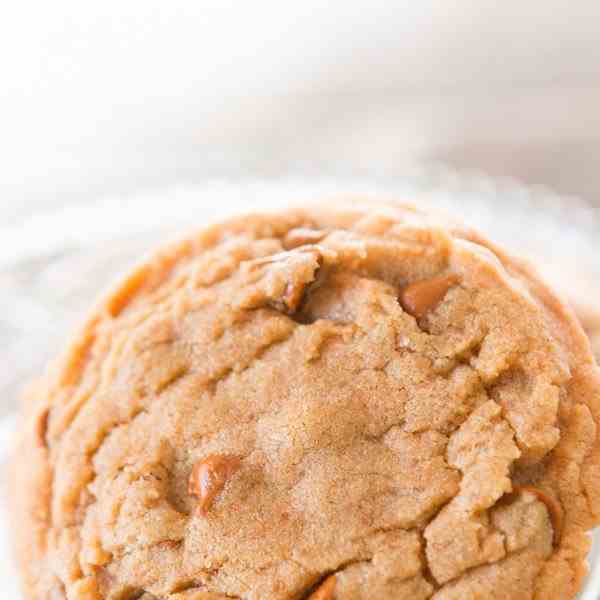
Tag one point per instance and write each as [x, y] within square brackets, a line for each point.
[338, 403]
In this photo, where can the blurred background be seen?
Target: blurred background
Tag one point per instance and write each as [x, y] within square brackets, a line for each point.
[113, 97]
[122, 118]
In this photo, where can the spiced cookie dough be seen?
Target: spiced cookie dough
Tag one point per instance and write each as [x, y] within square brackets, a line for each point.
[338, 403]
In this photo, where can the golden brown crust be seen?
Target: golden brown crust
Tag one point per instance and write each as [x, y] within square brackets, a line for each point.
[366, 439]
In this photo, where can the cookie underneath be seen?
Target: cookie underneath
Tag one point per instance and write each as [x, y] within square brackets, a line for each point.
[353, 402]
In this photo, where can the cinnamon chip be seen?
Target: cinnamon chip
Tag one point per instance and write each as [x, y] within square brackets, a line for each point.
[209, 477]
[302, 279]
[420, 297]
[292, 297]
[325, 591]
[555, 510]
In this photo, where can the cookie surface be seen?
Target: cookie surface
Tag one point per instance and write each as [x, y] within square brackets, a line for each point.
[359, 402]
[590, 320]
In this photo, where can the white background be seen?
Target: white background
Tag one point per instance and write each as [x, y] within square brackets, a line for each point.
[109, 97]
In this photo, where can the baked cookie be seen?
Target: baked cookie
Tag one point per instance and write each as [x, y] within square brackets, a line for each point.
[338, 402]
[590, 319]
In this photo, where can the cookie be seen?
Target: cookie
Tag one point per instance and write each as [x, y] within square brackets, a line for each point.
[590, 320]
[351, 401]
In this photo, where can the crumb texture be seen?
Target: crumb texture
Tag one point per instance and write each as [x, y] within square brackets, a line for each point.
[349, 403]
